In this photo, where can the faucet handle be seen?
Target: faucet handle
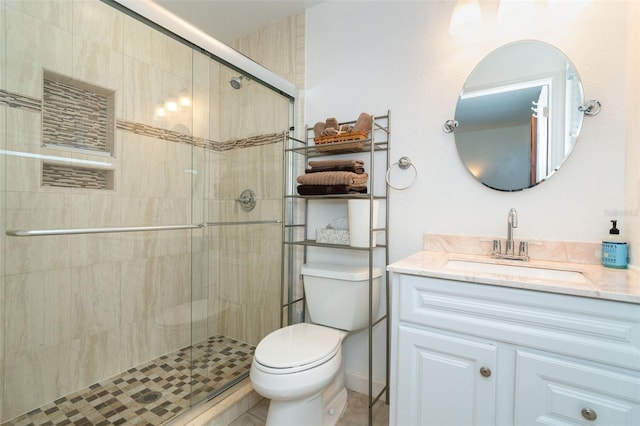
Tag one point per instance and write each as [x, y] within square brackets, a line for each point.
[523, 249]
[497, 247]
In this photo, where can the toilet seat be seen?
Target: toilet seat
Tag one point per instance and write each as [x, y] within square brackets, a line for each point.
[297, 348]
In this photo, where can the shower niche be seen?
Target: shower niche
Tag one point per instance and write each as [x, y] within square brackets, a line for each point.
[63, 176]
[77, 115]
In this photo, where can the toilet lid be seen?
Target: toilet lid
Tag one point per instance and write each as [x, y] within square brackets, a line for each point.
[298, 347]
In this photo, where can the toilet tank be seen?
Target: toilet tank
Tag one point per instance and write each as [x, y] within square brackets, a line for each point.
[338, 295]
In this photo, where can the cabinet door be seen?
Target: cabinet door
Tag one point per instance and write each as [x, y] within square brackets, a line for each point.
[554, 391]
[444, 380]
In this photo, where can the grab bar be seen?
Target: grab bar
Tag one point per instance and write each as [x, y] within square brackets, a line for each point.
[77, 231]
[46, 232]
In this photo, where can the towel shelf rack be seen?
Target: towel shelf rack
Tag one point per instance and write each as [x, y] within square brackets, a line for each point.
[80, 231]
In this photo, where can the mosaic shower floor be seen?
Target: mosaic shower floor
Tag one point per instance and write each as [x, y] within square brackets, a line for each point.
[129, 397]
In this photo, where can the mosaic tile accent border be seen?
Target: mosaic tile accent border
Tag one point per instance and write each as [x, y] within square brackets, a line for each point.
[14, 100]
[171, 136]
[76, 177]
[76, 114]
[251, 141]
[116, 401]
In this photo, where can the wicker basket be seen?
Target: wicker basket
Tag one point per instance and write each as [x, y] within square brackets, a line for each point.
[347, 142]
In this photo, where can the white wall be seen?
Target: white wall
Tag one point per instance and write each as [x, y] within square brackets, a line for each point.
[373, 56]
[632, 183]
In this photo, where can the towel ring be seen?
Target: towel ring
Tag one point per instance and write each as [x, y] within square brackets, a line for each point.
[403, 163]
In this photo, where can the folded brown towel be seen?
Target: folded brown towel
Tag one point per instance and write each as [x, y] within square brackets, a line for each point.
[331, 189]
[318, 164]
[329, 131]
[332, 123]
[346, 168]
[363, 123]
[333, 178]
[318, 128]
[355, 166]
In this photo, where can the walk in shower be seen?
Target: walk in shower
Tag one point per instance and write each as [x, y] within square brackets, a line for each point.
[133, 283]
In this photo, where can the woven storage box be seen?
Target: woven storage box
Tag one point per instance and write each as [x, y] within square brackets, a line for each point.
[347, 142]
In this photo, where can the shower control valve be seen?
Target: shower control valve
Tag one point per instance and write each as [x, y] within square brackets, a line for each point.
[247, 200]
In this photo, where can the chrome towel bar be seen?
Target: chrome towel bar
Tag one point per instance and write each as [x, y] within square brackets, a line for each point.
[79, 231]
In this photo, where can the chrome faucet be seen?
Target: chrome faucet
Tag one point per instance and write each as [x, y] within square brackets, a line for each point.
[512, 222]
[509, 252]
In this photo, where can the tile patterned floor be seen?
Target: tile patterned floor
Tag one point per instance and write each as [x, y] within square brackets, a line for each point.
[355, 414]
[121, 399]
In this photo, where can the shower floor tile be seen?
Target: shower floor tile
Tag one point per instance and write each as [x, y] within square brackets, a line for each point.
[181, 377]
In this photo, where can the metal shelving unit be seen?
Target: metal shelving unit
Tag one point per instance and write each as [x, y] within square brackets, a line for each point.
[296, 243]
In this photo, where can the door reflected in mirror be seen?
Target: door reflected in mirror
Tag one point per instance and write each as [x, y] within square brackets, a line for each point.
[518, 115]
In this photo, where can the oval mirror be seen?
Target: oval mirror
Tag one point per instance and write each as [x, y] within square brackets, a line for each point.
[518, 115]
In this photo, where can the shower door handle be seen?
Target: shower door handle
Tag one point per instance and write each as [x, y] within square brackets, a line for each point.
[78, 231]
[81, 231]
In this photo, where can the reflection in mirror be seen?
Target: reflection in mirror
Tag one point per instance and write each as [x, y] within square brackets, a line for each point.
[518, 115]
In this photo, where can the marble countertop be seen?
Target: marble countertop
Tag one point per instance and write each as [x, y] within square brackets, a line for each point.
[601, 283]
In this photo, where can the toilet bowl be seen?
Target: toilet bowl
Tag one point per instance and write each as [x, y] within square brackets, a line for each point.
[292, 367]
[299, 367]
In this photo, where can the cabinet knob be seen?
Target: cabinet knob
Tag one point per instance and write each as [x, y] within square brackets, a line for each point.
[486, 372]
[589, 414]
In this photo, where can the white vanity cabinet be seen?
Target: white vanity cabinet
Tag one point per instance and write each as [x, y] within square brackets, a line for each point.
[438, 371]
[475, 354]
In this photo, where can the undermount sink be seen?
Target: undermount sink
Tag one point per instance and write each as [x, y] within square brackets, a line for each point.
[524, 271]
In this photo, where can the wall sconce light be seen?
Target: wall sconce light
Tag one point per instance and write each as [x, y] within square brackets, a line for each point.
[466, 17]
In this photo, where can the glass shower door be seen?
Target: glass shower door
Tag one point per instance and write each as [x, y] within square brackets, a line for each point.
[133, 285]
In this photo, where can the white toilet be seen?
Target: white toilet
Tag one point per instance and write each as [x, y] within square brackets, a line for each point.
[299, 367]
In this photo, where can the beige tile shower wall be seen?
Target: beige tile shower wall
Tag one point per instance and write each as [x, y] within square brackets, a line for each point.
[3, 126]
[245, 260]
[245, 286]
[200, 178]
[85, 307]
[38, 36]
[156, 68]
[279, 47]
[248, 257]
[251, 110]
[3, 47]
[215, 103]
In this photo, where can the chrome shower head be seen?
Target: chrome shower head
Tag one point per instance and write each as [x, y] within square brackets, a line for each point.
[236, 82]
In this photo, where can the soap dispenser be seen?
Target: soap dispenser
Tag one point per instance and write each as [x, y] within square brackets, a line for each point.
[614, 249]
